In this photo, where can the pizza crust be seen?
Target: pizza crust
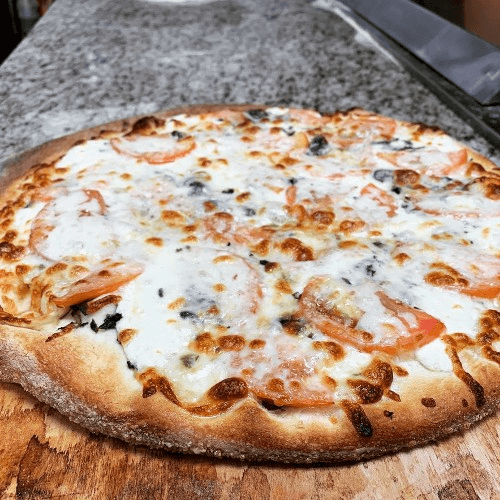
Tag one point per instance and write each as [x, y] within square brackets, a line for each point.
[87, 379]
[92, 386]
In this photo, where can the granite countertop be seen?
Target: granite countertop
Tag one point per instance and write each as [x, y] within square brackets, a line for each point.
[86, 63]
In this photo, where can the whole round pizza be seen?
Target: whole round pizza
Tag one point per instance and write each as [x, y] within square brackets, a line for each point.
[252, 282]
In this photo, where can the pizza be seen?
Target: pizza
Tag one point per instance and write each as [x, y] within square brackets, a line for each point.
[254, 282]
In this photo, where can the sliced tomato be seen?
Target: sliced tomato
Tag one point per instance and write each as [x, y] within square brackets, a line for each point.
[97, 283]
[419, 328]
[148, 148]
[430, 163]
[94, 194]
[381, 197]
[361, 126]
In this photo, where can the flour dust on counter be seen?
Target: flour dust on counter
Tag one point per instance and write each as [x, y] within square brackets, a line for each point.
[263, 283]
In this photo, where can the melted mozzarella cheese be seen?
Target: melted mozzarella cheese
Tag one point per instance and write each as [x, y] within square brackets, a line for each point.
[289, 216]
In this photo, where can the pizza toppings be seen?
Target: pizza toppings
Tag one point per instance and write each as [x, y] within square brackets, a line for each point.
[308, 262]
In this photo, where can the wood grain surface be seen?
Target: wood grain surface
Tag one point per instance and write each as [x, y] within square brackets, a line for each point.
[43, 455]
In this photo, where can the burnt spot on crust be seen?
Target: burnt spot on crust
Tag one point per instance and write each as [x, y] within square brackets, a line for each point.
[429, 402]
[358, 418]
[229, 389]
[388, 414]
[465, 403]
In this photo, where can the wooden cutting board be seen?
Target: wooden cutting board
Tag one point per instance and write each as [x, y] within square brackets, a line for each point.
[43, 455]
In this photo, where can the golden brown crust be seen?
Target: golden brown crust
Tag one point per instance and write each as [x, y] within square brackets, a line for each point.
[90, 383]
[87, 379]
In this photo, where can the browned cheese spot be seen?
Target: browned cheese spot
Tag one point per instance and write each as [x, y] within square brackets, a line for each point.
[392, 395]
[10, 319]
[351, 226]
[276, 385]
[298, 251]
[56, 268]
[209, 206]
[399, 371]
[177, 303]
[211, 409]
[380, 373]
[95, 305]
[282, 286]
[204, 162]
[445, 276]
[388, 414]
[257, 344]
[213, 310]
[241, 198]
[229, 389]
[335, 351]
[489, 327]
[231, 342]
[154, 240]
[458, 341]
[172, 217]
[405, 177]
[10, 252]
[490, 187]
[10, 236]
[126, 335]
[429, 402]
[205, 343]
[356, 415]
[366, 392]
[22, 269]
[401, 258]
[219, 287]
[329, 382]
[489, 353]
[152, 382]
[262, 248]
[223, 258]
[78, 271]
[473, 385]
[465, 403]
[146, 125]
[322, 218]
[271, 267]
[347, 244]
[292, 325]
[190, 239]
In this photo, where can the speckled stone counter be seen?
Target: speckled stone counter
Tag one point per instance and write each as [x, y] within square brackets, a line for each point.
[90, 62]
